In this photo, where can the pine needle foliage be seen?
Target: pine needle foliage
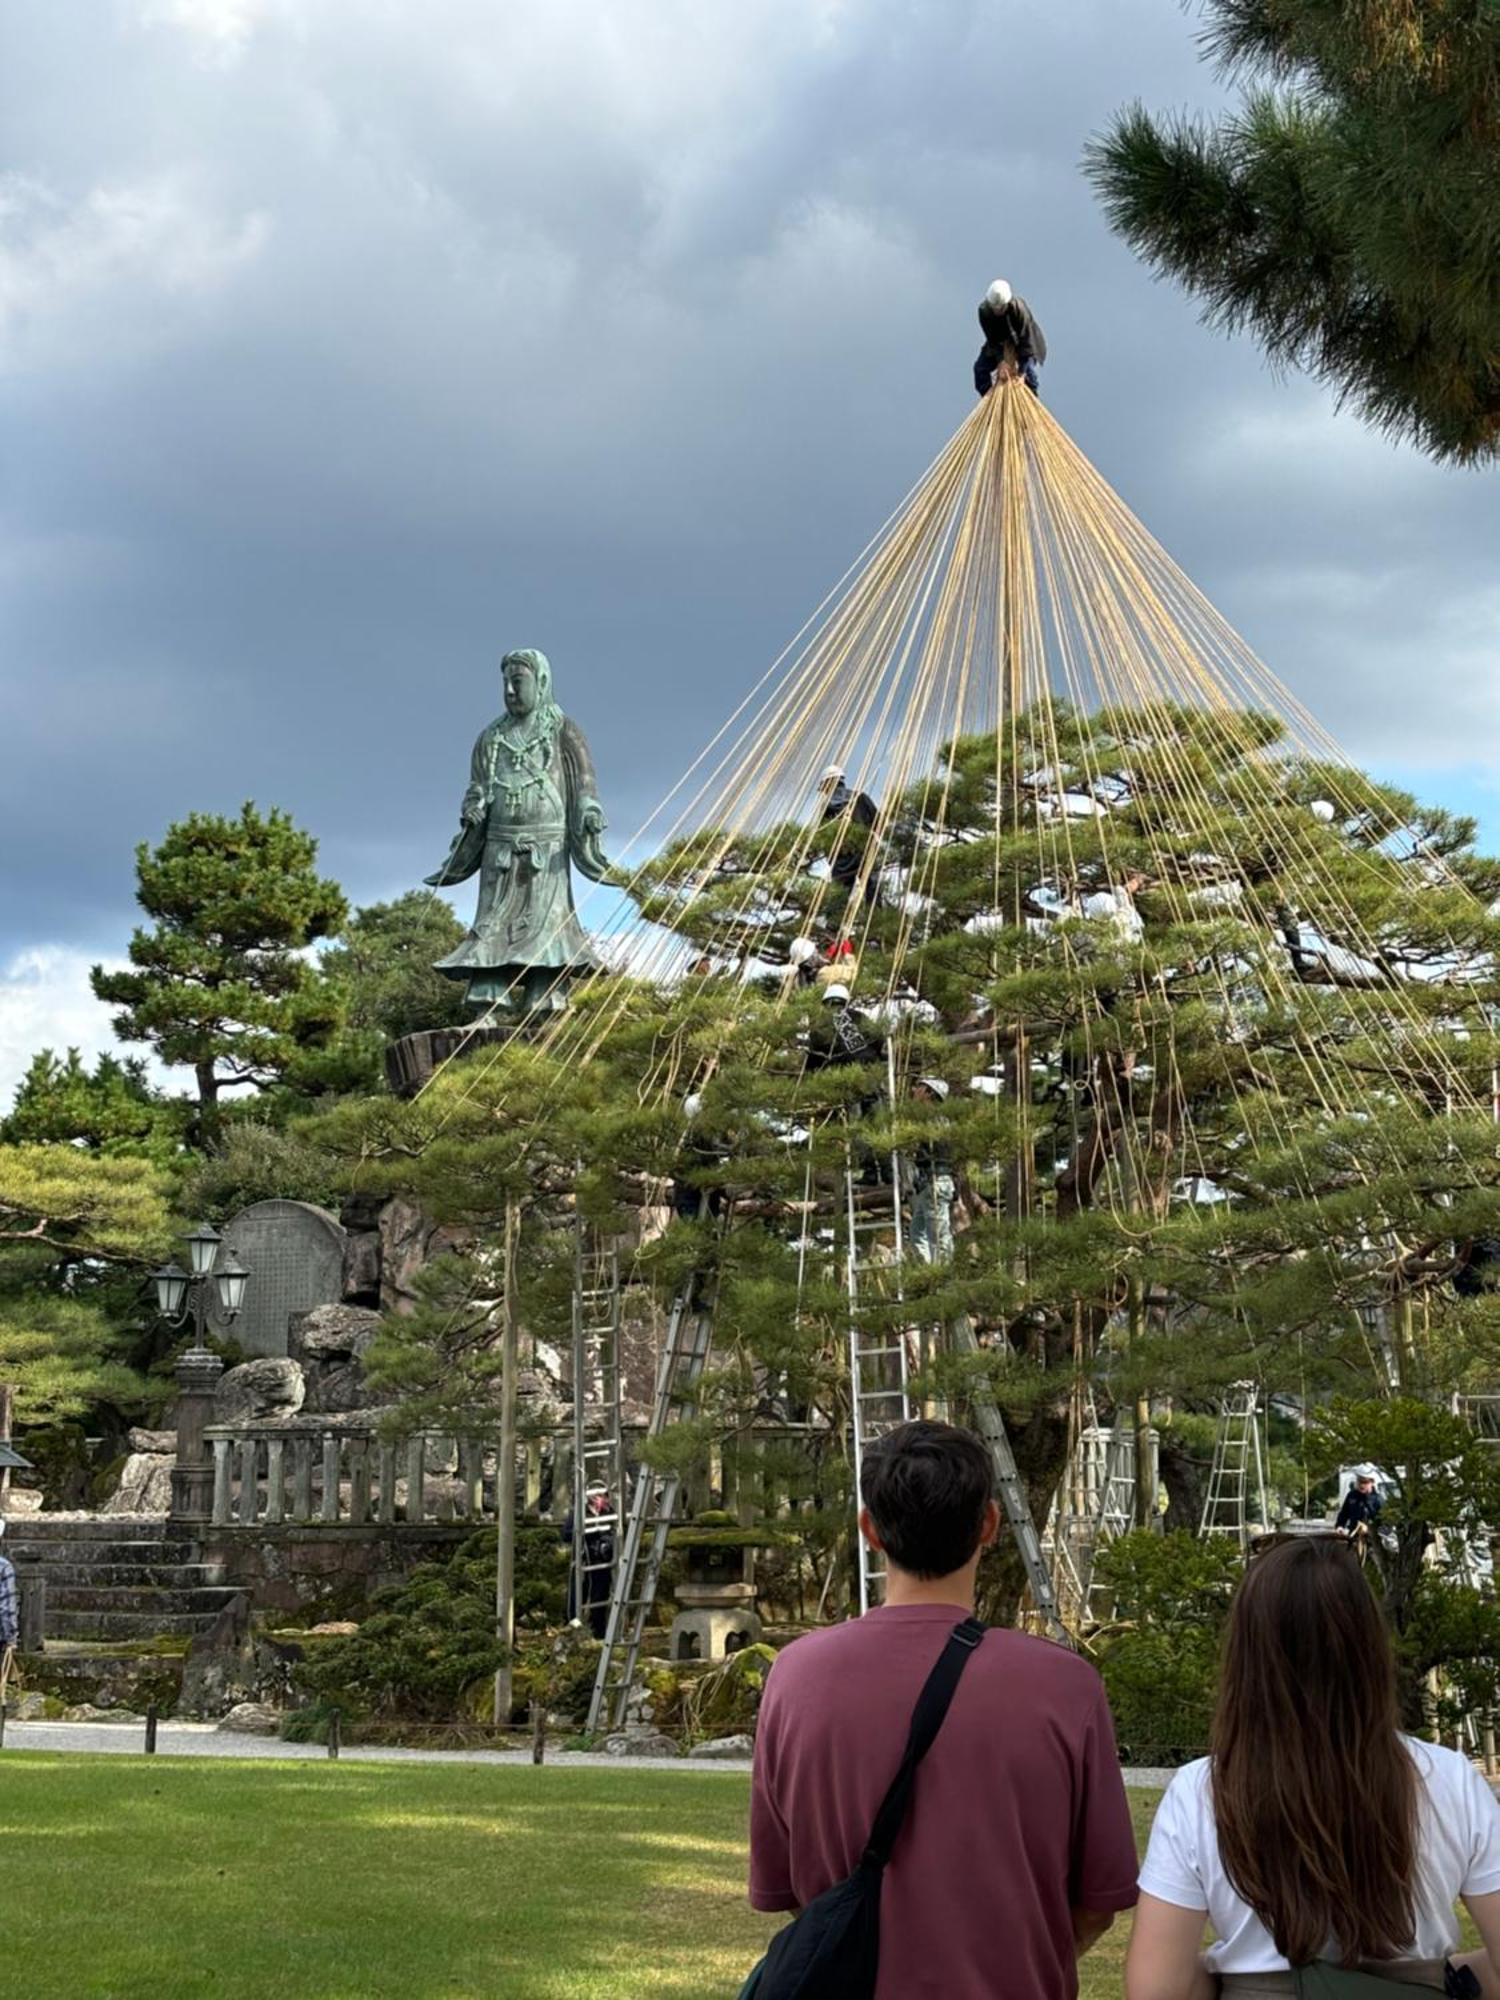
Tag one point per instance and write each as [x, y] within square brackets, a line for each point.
[1348, 213]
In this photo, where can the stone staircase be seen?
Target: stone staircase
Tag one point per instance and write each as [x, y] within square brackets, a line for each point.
[119, 1578]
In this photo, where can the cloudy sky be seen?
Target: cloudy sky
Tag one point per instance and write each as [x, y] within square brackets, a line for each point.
[346, 343]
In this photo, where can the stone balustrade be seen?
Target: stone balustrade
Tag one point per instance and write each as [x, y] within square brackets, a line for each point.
[343, 1475]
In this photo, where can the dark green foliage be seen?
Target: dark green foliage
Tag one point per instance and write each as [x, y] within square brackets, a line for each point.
[219, 984]
[430, 1642]
[1160, 1657]
[259, 1162]
[1349, 213]
[383, 962]
[111, 1109]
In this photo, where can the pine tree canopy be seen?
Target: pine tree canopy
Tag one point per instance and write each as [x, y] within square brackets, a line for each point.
[114, 1108]
[1349, 213]
[220, 984]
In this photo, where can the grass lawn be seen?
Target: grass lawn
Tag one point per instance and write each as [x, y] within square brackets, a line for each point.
[129, 1880]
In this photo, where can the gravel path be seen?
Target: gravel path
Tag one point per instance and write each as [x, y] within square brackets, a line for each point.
[203, 1739]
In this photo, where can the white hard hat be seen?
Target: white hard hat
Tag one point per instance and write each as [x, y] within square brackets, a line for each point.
[692, 1105]
[831, 774]
[1322, 811]
[1366, 1472]
[999, 295]
[936, 1084]
[802, 949]
[834, 991]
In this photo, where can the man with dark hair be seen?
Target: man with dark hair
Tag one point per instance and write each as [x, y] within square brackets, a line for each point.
[1017, 1850]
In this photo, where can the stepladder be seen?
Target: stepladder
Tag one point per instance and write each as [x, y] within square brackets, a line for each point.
[655, 1497]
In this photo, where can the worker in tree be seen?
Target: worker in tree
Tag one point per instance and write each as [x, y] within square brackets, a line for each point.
[1013, 341]
[598, 1560]
[1359, 1517]
[850, 808]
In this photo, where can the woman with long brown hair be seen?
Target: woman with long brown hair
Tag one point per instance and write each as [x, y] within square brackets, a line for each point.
[1315, 1830]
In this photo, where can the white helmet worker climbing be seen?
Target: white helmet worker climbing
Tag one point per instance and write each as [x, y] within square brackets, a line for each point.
[1013, 341]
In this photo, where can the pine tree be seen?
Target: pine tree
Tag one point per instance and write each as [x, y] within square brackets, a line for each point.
[1219, 1151]
[1349, 213]
[112, 1108]
[220, 983]
[78, 1232]
[380, 976]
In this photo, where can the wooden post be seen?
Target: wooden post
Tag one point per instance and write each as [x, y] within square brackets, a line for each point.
[1145, 1490]
[151, 1730]
[335, 1732]
[538, 1732]
[7, 1417]
[505, 1472]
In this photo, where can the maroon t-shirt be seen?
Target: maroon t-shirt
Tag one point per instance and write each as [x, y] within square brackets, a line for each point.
[1018, 1817]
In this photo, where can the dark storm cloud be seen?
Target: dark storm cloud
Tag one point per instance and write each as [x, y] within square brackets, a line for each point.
[342, 347]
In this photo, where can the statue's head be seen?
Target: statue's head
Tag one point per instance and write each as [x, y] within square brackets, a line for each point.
[528, 681]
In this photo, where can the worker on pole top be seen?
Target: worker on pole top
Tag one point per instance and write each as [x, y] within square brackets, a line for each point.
[1013, 341]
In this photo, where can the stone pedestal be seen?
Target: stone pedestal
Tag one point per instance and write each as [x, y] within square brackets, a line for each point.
[198, 1372]
[716, 1619]
[411, 1061]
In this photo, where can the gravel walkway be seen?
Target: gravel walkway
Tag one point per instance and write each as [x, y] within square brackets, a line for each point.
[203, 1739]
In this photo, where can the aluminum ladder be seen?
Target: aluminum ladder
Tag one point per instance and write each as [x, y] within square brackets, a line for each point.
[879, 1361]
[990, 1425]
[598, 1429]
[1237, 1457]
[654, 1501]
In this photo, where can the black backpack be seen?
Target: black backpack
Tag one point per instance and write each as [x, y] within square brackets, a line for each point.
[831, 1950]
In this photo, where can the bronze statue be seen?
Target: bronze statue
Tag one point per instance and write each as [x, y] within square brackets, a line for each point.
[530, 811]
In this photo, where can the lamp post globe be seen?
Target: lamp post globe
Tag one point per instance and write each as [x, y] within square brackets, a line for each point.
[203, 1243]
[171, 1283]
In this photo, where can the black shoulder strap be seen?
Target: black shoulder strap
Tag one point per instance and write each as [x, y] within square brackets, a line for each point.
[927, 1719]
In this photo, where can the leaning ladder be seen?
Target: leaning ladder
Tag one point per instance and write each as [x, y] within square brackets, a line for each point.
[879, 1372]
[653, 1507]
[598, 1430]
[990, 1425]
[1237, 1455]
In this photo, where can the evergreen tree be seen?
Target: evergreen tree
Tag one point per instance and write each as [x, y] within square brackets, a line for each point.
[220, 983]
[112, 1108]
[1349, 213]
[78, 1232]
[1203, 1149]
[380, 974]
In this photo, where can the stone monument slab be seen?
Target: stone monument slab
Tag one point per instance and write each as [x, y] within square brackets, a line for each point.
[294, 1253]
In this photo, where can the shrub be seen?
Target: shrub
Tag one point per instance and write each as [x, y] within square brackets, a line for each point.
[427, 1642]
[1160, 1659]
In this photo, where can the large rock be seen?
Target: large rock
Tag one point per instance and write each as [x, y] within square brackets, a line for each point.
[230, 1665]
[258, 1390]
[85, 1711]
[252, 1718]
[29, 1708]
[329, 1344]
[408, 1240]
[160, 1442]
[640, 1743]
[145, 1485]
[726, 1747]
[362, 1265]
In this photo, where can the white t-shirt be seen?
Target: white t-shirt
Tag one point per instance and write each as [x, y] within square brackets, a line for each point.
[1458, 1854]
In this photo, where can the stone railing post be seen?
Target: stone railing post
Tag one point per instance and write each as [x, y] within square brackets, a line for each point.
[31, 1589]
[223, 1484]
[192, 1476]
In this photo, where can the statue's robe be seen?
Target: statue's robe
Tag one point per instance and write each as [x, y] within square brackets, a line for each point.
[523, 830]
